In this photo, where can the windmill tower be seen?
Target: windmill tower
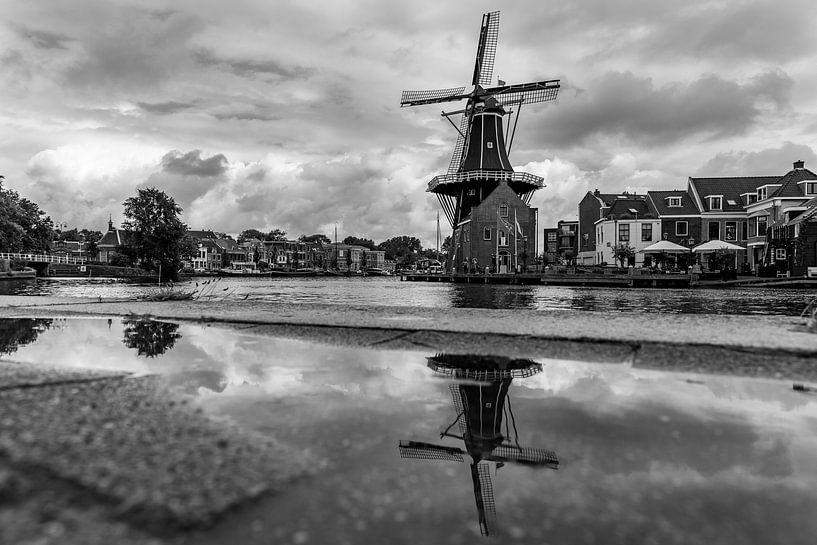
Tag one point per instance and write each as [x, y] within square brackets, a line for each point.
[480, 396]
[483, 220]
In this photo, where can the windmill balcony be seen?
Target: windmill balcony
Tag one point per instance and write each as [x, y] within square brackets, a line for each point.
[474, 175]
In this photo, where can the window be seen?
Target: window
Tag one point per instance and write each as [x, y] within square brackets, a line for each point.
[486, 233]
[761, 225]
[490, 145]
[811, 188]
[761, 193]
[503, 210]
[467, 234]
[472, 192]
[624, 232]
[673, 202]
[780, 254]
[714, 230]
[715, 203]
[681, 228]
[744, 225]
[646, 232]
[503, 237]
[730, 231]
[552, 236]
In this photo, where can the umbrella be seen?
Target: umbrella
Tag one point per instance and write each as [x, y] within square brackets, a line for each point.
[664, 246]
[715, 245]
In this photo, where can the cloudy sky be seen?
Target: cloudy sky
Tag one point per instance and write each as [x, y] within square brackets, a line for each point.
[263, 114]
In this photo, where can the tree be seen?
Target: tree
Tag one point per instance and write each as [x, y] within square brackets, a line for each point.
[446, 245]
[623, 252]
[402, 249]
[250, 233]
[276, 234]
[365, 242]
[23, 226]
[315, 238]
[155, 236]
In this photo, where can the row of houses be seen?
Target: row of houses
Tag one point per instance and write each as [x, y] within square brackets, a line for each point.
[773, 218]
[215, 253]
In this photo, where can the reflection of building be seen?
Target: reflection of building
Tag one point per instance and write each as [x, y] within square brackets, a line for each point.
[481, 402]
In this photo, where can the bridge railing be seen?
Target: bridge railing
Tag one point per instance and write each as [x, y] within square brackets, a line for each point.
[47, 258]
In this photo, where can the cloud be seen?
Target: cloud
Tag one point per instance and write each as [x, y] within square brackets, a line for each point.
[251, 67]
[621, 104]
[169, 107]
[765, 162]
[192, 164]
[42, 39]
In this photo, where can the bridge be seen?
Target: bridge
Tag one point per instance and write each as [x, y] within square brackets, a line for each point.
[45, 258]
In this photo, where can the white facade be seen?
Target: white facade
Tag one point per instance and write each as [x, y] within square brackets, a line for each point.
[637, 233]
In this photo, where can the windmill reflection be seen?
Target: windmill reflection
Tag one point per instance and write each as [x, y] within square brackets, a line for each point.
[482, 404]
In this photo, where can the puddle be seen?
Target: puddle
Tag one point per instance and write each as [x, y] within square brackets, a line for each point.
[418, 447]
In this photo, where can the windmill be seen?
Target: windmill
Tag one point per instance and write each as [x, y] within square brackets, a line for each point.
[480, 397]
[480, 159]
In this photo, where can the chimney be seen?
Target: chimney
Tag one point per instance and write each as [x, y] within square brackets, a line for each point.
[798, 164]
[596, 192]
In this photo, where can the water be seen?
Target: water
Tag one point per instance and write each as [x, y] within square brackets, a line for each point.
[385, 291]
[643, 456]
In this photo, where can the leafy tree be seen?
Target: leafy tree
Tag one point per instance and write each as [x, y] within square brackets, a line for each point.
[403, 249]
[446, 246]
[156, 237]
[365, 242]
[315, 238]
[623, 252]
[150, 338]
[250, 233]
[23, 226]
[276, 234]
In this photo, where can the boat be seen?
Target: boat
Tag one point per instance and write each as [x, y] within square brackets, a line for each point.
[377, 271]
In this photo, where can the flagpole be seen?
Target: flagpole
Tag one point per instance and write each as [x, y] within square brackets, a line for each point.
[515, 242]
[496, 259]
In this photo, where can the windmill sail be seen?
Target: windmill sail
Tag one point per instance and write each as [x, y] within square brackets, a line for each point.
[416, 98]
[456, 157]
[484, 497]
[486, 49]
[429, 451]
[524, 456]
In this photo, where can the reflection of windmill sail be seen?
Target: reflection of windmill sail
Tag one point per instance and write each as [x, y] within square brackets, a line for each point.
[481, 404]
[484, 496]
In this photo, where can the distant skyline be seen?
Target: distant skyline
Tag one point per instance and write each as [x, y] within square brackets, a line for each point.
[259, 114]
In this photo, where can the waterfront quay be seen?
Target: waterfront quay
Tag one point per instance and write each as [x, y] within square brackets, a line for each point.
[564, 279]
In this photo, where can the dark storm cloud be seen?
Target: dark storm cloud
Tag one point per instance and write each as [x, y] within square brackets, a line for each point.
[759, 163]
[42, 39]
[247, 116]
[251, 67]
[624, 105]
[170, 107]
[192, 164]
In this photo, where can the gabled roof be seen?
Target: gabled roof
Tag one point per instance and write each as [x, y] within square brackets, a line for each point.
[114, 237]
[809, 214]
[621, 207]
[202, 234]
[228, 244]
[730, 188]
[658, 199]
[789, 186]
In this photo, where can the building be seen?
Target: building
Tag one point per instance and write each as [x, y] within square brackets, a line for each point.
[629, 222]
[593, 207]
[551, 237]
[679, 214]
[106, 247]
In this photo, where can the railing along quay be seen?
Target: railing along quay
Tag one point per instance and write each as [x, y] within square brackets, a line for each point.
[45, 258]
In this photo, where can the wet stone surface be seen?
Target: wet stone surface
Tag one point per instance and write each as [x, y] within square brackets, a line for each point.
[168, 431]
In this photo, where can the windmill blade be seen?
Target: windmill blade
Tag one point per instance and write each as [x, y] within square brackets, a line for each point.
[459, 406]
[432, 96]
[456, 157]
[429, 451]
[486, 49]
[524, 455]
[484, 496]
[527, 93]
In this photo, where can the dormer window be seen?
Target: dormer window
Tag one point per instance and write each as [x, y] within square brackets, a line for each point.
[673, 202]
[810, 187]
[761, 193]
[715, 202]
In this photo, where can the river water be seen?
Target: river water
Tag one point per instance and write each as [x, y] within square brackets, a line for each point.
[390, 291]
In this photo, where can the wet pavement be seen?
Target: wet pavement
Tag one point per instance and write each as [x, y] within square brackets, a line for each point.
[168, 431]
